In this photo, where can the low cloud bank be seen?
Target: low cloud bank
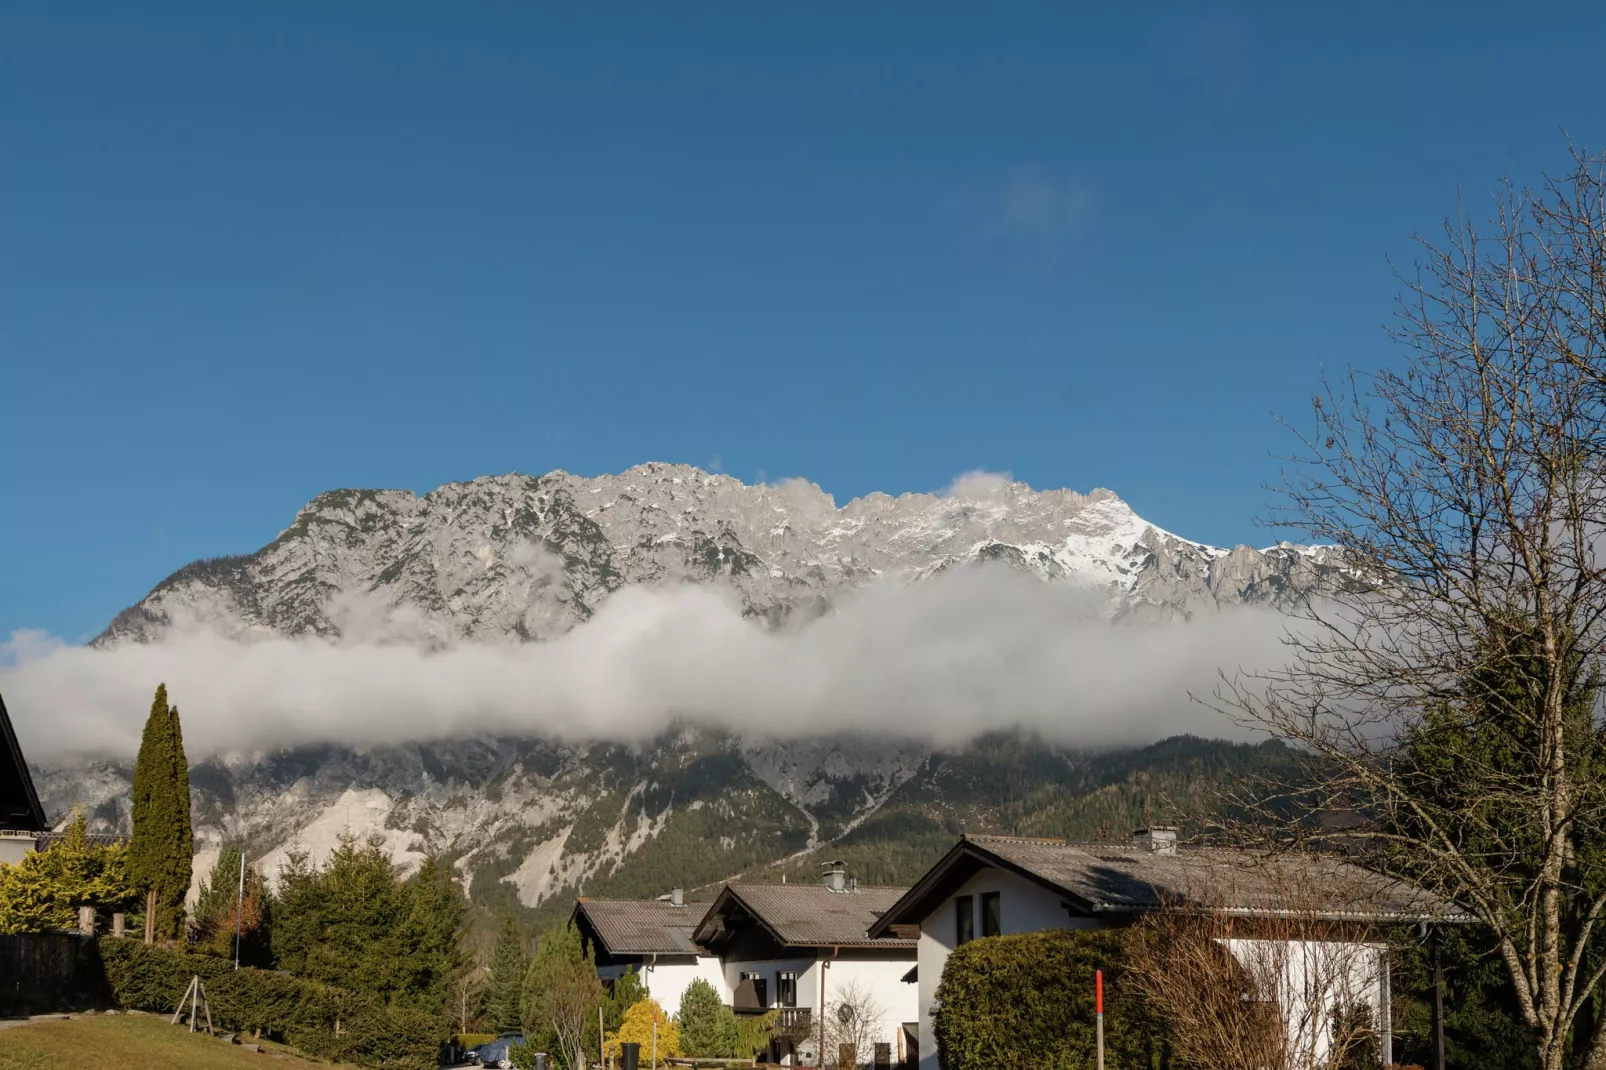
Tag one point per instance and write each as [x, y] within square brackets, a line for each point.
[969, 651]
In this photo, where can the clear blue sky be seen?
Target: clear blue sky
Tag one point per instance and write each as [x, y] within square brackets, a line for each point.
[252, 252]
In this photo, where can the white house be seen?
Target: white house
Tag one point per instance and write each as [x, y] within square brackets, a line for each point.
[999, 885]
[655, 938]
[801, 947]
[22, 819]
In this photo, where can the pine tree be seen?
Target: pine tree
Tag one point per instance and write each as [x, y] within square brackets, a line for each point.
[509, 960]
[707, 1026]
[222, 913]
[161, 851]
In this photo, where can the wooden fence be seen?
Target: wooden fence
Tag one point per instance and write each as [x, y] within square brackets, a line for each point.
[42, 972]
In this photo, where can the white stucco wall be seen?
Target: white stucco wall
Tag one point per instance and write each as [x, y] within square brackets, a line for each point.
[883, 980]
[14, 848]
[880, 976]
[1023, 907]
[667, 981]
[1313, 980]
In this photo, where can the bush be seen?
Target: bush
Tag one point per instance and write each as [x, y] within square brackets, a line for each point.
[319, 1019]
[707, 1027]
[641, 1023]
[1028, 1001]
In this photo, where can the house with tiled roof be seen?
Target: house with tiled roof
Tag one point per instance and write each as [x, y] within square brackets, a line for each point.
[801, 948]
[1000, 885]
[652, 937]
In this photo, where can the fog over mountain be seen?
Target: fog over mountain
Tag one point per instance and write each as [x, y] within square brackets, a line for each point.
[556, 680]
[612, 607]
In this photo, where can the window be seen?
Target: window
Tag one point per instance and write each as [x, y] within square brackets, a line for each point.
[786, 988]
[991, 917]
[760, 988]
[964, 920]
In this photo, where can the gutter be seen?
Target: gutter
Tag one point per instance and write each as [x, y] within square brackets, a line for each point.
[825, 964]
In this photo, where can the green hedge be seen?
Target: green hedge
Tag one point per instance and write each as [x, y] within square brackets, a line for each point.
[1028, 1001]
[300, 1012]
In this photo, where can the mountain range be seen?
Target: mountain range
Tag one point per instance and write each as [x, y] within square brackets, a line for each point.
[519, 559]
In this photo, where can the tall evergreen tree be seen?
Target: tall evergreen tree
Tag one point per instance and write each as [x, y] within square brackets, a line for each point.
[355, 924]
[161, 851]
[509, 960]
[561, 995]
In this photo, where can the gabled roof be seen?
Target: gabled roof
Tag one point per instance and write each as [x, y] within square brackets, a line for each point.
[805, 915]
[641, 927]
[1124, 880]
[19, 803]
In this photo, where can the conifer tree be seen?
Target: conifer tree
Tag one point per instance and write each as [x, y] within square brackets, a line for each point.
[161, 851]
[222, 913]
[707, 1026]
[509, 960]
[45, 889]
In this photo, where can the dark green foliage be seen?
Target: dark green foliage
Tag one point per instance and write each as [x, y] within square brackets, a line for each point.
[509, 961]
[625, 993]
[707, 1026]
[355, 924]
[1018, 784]
[1473, 763]
[161, 849]
[319, 1019]
[1028, 1001]
[1483, 1029]
[561, 995]
[217, 905]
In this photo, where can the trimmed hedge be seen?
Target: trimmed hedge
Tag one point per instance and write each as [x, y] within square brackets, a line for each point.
[1028, 1001]
[300, 1012]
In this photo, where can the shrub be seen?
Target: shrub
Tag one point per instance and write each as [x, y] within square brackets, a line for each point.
[707, 1027]
[638, 1027]
[1028, 1001]
[319, 1019]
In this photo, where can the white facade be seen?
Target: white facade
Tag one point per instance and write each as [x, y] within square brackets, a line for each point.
[666, 977]
[1312, 978]
[15, 846]
[1313, 981]
[874, 976]
[1024, 907]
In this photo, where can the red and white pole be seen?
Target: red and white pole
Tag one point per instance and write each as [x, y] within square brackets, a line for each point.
[1098, 1007]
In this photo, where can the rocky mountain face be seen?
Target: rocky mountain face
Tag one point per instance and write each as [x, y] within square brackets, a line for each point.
[522, 559]
[528, 558]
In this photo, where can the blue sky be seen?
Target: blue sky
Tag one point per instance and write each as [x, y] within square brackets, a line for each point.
[252, 253]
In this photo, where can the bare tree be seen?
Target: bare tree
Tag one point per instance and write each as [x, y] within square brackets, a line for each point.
[1443, 687]
[853, 1017]
[1283, 988]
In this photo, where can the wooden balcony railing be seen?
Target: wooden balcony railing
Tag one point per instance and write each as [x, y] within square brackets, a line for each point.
[794, 1021]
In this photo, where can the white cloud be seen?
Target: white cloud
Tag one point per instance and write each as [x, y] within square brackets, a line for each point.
[972, 650]
[979, 485]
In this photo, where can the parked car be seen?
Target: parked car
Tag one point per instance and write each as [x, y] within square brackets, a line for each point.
[495, 1052]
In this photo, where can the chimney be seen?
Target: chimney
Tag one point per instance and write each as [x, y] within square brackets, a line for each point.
[677, 897]
[1160, 839]
[835, 876]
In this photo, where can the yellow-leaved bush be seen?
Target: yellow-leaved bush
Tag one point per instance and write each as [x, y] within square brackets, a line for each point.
[637, 1029]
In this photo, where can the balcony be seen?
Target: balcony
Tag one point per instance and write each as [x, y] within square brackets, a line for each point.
[794, 1022]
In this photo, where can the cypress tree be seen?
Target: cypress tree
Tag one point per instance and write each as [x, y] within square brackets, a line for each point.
[508, 963]
[161, 851]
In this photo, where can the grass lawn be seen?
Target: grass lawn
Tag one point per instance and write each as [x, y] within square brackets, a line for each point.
[131, 1042]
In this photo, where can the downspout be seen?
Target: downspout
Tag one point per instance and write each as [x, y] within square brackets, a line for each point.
[825, 964]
